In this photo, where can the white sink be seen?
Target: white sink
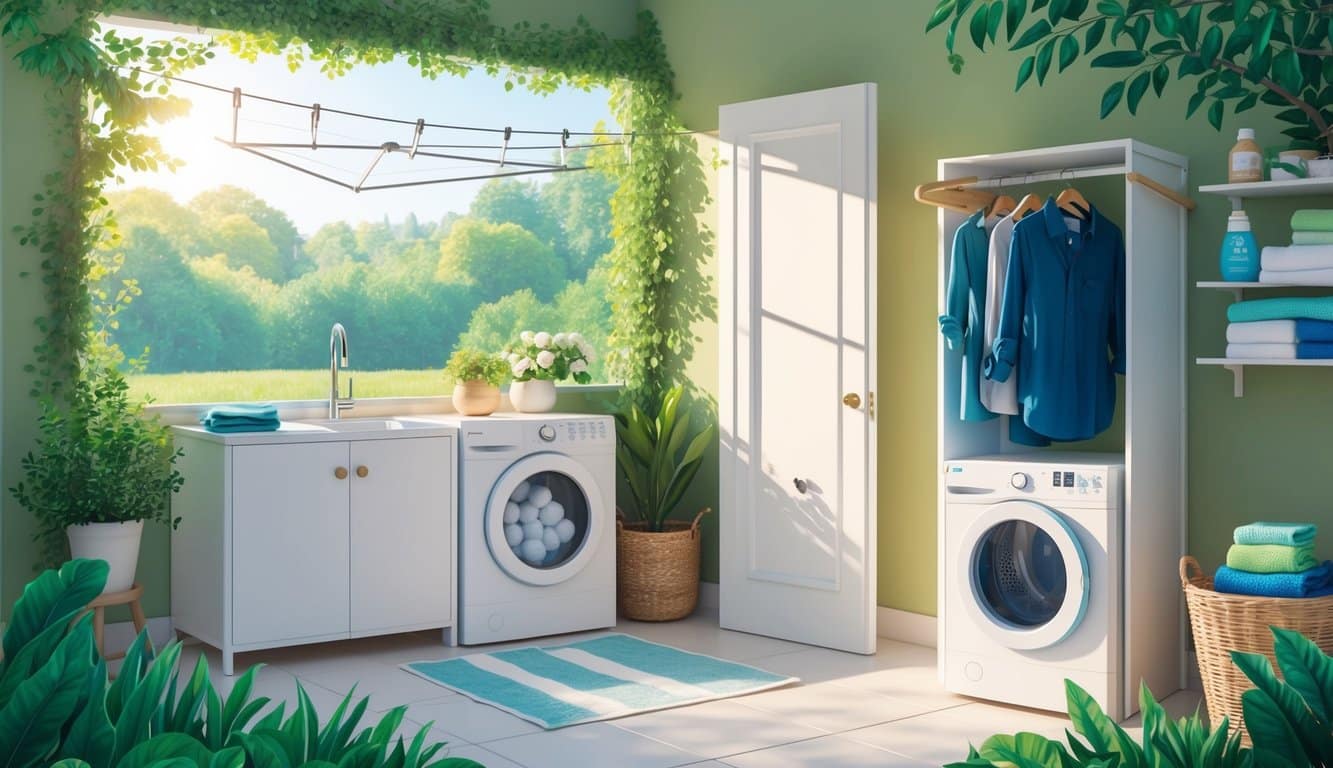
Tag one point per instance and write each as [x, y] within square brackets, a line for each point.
[371, 425]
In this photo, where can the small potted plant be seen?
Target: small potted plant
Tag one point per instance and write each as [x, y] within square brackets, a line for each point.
[477, 377]
[541, 359]
[657, 558]
[101, 468]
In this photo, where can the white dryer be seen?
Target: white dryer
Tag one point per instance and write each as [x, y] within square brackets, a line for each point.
[536, 514]
[1031, 579]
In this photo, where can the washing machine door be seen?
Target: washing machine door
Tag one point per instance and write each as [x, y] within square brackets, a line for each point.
[1023, 574]
[544, 519]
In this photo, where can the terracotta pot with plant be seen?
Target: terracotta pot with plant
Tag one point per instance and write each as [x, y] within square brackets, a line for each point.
[101, 468]
[477, 377]
[657, 558]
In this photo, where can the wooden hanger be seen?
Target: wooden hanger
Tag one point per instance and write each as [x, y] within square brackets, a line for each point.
[1073, 202]
[1002, 205]
[1029, 204]
[954, 195]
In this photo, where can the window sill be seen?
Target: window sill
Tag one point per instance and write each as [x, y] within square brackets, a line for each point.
[295, 410]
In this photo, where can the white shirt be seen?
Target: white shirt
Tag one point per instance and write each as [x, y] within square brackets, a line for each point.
[998, 396]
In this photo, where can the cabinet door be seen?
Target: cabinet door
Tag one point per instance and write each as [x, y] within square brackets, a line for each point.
[402, 535]
[289, 542]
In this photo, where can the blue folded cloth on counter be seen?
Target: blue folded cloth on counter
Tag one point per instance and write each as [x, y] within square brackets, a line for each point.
[1313, 330]
[1314, 350]
[241, 417]
[1289, 534]
[1315, 582]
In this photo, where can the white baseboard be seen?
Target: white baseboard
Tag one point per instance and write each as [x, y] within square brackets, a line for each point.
[906, 627]
[120, 634]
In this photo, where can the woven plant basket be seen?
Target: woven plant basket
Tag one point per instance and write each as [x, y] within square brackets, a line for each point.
[1223, 623]
[657, 574]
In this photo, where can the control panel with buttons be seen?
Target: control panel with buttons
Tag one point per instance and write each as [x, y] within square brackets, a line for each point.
[577, 431]
[1078, 482]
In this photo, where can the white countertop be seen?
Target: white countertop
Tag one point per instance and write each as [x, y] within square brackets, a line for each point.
[303, 432]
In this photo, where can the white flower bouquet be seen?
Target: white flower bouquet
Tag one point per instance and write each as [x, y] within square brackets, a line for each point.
[542, 356]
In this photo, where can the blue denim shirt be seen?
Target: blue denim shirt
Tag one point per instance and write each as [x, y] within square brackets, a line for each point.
[965, 303]
[1062, 323]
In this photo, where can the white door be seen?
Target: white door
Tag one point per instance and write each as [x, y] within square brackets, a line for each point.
[402, 536]
[289, 542]
[796, 402]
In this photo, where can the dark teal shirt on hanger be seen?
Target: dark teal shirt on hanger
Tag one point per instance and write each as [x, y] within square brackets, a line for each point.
[1062, 323]
[965, 304]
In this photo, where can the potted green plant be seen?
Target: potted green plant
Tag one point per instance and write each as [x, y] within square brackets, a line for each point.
[477, 377]
[657, 558]
[541, 359]
[101, 468]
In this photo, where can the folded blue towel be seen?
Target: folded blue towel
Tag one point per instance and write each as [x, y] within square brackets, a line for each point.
[231, 427]
[1316, 582]
[1285, 307]
[1314, 350]
[241, 417]
[1289, 534]
[1314, 330]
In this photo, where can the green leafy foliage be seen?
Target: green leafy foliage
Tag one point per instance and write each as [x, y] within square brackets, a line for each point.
[468, 364]
[659, 456]
[544, 356]
[56, 708]
[1289, 719]
[1238, 51]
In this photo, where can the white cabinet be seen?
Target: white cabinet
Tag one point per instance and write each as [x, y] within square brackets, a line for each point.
[290, 539]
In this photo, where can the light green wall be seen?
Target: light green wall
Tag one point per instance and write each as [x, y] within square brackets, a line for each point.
[1260, 457]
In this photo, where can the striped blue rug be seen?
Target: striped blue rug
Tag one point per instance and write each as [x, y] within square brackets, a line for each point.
[598, 679]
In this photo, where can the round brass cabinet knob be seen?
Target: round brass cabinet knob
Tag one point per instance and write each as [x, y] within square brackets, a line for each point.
[340, 473]
[362, 471]
[851, 400]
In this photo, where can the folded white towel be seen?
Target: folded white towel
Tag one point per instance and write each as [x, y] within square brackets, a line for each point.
[1297, 276]
[1262, 332]
[1284, 258]
[1269, 351]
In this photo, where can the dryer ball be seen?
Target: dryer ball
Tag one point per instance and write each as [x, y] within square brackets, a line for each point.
[539, 496]
[521, 492]
[565, 530]
[527, 512]
[513, 534]
[532, 531]
[552, 513]
[550, 540]
[532, 551]
[511, 513]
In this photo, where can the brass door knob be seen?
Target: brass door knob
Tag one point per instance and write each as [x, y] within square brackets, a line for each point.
[362, 471]
[340, 473]
[851, 400]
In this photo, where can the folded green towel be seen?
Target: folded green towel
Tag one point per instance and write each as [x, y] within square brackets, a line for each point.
[1287, 534]
[1271, 558]
[1312, 220]
[1283, 308]
[1312, 238]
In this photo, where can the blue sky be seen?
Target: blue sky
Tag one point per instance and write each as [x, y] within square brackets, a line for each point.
[393, 90]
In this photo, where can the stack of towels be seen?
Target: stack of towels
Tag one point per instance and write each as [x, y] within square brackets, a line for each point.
[241, 417]
[1274, 560]
[1309, 258]
[1289, 328]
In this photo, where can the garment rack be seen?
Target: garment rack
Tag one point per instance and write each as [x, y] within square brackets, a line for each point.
[928, 193]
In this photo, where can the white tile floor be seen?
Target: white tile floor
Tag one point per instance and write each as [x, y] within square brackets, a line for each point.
[876, 711]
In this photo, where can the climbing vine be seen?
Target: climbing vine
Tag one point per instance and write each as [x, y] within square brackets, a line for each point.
[100, 97]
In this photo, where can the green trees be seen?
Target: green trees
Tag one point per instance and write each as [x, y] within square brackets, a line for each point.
[333, 245]
[245, 244]
[498, 259]
[219, 203]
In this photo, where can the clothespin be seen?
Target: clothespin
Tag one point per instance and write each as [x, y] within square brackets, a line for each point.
[416, 137]
[314, 126]
[235, 111]
[504, 144]
[564, 147]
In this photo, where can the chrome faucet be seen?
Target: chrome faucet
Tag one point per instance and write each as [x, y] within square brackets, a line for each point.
[338, 343]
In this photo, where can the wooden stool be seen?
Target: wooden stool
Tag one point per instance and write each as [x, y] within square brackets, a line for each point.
[99, 605]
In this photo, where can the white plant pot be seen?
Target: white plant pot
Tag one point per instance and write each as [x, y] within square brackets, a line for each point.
[534, 396]
[116, 543]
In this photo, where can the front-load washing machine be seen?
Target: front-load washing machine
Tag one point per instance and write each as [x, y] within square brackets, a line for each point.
[536, 514]
[1031, 579]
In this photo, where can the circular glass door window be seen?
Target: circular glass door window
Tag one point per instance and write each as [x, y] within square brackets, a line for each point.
[546, 519]
[1020, 574]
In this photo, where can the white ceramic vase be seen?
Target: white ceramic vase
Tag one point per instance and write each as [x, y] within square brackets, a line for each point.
[116, 543]
[536, 396]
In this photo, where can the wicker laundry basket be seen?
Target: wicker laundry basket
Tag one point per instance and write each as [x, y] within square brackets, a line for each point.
[1223, 622]
[657, 574]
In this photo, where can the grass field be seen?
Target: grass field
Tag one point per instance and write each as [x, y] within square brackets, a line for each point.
[232, 386]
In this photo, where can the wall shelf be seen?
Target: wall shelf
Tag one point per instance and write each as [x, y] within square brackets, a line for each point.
[1237, 289]
[1237, 366]
[1322, 185]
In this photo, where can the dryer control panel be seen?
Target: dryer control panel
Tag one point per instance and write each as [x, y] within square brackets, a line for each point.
[577, 431]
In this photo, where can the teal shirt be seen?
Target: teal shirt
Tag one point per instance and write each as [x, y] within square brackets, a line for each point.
[963, 323]
[1062, 323]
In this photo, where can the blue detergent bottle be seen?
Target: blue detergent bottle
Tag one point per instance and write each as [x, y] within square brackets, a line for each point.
[1240, 253]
